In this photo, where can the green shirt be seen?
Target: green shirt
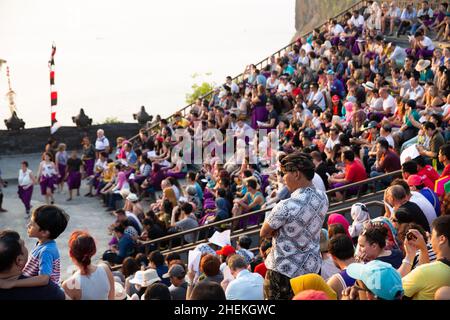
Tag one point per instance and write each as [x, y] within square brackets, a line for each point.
[415, 115]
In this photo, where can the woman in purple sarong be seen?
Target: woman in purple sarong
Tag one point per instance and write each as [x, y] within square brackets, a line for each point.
[61, 162]
[88, 157]
[25, 189]
[259, 111]
[73, 174]
[46, 176]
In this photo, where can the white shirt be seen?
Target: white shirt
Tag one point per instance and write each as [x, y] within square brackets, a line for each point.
[102, 143]
[415, 94]
[422, 13]
[357, 22]
[337, 30]
[272, 84]
[389, 104]
[284, 88]
[318, 99]
[24, 178]
[399, 54]
[307, 47]
[427, 43]
[424, 205]
[48, 170]
[390, 140]
[331, 143]
[246, 286]
[234, 87]
[394, 13]
[318, 183]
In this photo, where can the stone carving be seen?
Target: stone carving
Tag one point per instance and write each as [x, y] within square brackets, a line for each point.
[15, 123]
[142, 117]
[82, 120]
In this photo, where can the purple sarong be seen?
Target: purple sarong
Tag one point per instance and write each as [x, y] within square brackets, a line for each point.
[25, 195]
[74, 180]
[47, 182]
[176, 175]
[259, 113]
[62, 172]
[89, 166]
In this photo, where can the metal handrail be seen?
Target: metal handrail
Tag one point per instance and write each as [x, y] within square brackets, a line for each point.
[236, 234]
[258, 212]
[260, 64]
[254, 230]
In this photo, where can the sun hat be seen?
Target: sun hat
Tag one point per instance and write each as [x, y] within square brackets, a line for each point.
[145, 278]
[119, 291]
[369, 85]
[124, 192]
[226, 251]
[176, 271]
[132, 197]
[379, 277]
[422, 65]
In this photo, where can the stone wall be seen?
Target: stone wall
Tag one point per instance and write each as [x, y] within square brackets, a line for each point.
[311, 13]
[33, 140]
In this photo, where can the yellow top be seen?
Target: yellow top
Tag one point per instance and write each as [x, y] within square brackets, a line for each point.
[423, 282]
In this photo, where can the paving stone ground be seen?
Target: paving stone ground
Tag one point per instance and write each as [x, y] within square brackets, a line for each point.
[85, 213]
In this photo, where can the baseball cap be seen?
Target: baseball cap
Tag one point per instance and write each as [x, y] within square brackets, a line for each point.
[371, 125]
[226, 251]
[176, 271]
[415, 180]
[379, 277]
[330, 72]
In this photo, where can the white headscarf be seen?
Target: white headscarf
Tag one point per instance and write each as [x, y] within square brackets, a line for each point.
[359, 214]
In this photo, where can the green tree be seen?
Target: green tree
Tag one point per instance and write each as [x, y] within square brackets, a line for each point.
[201, 89]
[112, 120]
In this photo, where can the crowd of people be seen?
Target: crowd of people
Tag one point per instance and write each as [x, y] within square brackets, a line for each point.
[343, 105]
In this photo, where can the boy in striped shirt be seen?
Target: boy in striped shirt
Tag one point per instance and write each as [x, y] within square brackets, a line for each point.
[46, 224]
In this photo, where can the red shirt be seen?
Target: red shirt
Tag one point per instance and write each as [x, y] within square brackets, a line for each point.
[430, 173]
[261, 269]
[355, 172]
[446, 171]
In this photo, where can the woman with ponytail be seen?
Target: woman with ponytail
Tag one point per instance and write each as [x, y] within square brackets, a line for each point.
[89, 282]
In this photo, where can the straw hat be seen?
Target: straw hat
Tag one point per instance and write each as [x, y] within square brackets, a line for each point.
[119, 292]
[124, 193]
[369, 85]
[132, 197]
[422, 65]
[145, 278]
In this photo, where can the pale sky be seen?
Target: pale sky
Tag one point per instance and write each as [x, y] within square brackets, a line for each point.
[114, 56]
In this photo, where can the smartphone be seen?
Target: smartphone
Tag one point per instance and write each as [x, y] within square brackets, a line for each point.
[411, 236]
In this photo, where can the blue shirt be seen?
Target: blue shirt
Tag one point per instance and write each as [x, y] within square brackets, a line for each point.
[246, 286]
[126, 247]
[44, 260]
[132, 157]
[433, 198]
[260, 79]
[338, 88]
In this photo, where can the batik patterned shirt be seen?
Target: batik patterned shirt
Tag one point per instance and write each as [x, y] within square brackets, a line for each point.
[298, 221]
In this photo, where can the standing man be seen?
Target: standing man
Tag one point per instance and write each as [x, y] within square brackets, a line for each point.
[102, 143]
[294, 225]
